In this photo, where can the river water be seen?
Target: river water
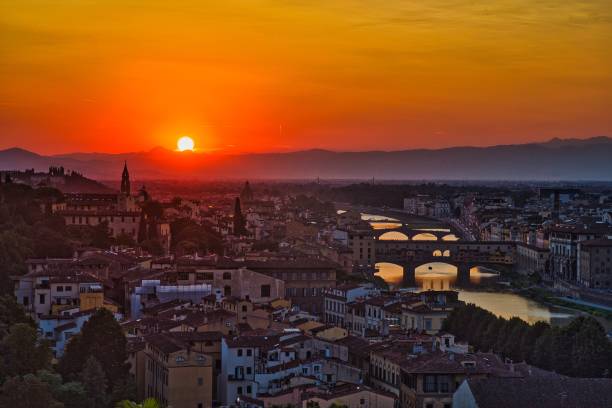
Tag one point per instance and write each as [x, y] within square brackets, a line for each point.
[479, 291]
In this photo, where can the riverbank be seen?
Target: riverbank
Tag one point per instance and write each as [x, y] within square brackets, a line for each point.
[546, 296]
[530, 286]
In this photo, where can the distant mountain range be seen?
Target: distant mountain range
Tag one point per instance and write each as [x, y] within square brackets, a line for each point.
[557, 159]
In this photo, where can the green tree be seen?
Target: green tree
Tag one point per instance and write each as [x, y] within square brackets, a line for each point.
[71, 394]
[148, 403]
[102, 338]
[94, 382]
[512, 347]
[124, 239]
[189, 237]
[239, 220]
[152, 246]
[27, 392]
[489, 336]
[542, 354]
[101, 237]
[123, 390]
[22, 352]
[12, 313]
[50, 243]
[531, 337]
[591, 351]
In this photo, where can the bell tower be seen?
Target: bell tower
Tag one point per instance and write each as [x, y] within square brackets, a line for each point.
[125, 181]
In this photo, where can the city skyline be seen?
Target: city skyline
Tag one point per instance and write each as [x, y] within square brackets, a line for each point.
[275, 76]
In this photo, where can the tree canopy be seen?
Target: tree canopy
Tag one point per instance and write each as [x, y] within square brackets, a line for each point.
[580, 349]
[101, 337]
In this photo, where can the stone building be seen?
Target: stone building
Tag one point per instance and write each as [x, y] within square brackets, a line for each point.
[595, 263]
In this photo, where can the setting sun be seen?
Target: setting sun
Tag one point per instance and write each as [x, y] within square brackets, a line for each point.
[185, 143]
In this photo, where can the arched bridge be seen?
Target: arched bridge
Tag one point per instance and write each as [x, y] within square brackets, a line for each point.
[410, 233]
[464, 255]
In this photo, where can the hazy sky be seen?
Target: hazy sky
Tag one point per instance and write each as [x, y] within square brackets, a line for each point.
[120, 75]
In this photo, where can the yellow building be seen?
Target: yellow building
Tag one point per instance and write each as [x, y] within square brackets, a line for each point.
[175, 374]
[351, 396]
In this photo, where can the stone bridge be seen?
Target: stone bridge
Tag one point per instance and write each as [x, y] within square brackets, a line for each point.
[462, 254]
[410, 233]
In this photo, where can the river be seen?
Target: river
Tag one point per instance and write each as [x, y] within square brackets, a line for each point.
[483, 285]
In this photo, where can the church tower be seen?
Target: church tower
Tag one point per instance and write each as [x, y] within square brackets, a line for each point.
[125, 181]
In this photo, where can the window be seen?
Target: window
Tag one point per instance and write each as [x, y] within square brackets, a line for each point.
[60, 288]
[249, 389]
[265, 290]
[239, 352]
[430, 383]
[249, 370]
[227, 291]
[26, 301]
[68, 288]
[41, 299]
[200, 381]
[227, 276]
[249, 352]
[239, 390]
[244, 308]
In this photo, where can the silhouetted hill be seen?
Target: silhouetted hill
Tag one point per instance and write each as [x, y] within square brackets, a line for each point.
[557, 159]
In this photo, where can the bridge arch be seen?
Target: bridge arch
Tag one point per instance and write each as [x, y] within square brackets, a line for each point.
[437, 253]
[394, 236]
[450, 237]
[390, 272]
[425, 236]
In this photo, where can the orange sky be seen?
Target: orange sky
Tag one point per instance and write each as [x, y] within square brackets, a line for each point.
[120, 75]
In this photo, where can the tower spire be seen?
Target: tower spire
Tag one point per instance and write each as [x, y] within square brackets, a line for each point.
[125, 180]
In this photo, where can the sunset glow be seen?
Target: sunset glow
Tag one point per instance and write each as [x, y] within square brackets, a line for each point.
[278, 76]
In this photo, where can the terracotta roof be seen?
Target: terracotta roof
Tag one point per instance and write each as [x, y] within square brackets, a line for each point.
[451, 363]
[164, 342]
[597, 242]
[165, 306]
[133, 346]
[342, 391]
[541, 393]
[197, 336]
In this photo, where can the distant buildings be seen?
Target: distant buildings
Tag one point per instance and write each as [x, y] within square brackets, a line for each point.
[565, 241]
[531, 259]
[594, 264]
[427, 206]
[121, 212]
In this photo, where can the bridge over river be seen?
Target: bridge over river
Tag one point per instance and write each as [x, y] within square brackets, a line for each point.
[461, 254]
[405, 232]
